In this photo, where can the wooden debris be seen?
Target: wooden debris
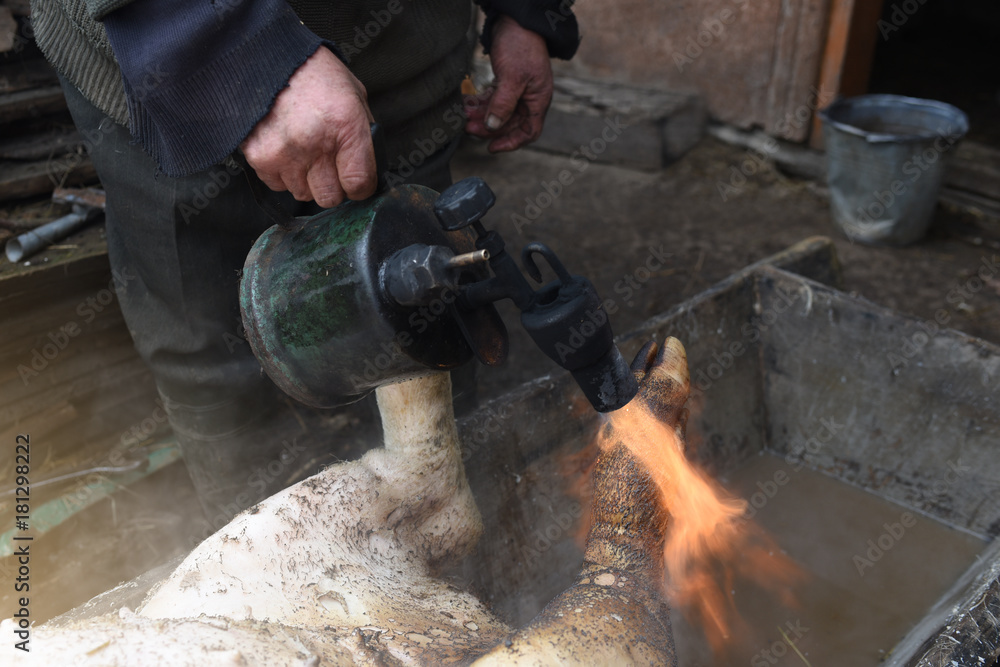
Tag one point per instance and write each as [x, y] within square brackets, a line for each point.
[31, 103]
[18, 7]
[19, 180]
[8, 30]
[975, 168]
[41, 145]
[24, 75]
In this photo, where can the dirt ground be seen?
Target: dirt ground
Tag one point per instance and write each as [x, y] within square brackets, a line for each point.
[609, 220]
[610, 224]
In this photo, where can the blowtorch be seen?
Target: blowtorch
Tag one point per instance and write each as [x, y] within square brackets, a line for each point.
[377, 291]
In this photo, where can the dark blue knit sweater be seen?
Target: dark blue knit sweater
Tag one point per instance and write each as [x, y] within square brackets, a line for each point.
[200, 74]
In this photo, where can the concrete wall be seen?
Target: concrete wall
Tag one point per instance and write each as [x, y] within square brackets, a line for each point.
[755, 62]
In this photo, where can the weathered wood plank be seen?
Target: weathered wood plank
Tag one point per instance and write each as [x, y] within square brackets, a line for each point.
[8, 29]
[18, 181]
[85, 266]
[97, 341]
[119, 369]
[791, 92]
[723, 50]
[847, 58]
[19, 7]
[25, 75]
[31, 103]
[79, 306]
[42, 144]
[975, 168]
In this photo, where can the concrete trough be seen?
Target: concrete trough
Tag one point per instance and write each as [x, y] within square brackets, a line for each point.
[863, 440]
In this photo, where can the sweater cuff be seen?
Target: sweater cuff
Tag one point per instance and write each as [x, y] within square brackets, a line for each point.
[552, 19]
[198, 78]
[98, 9]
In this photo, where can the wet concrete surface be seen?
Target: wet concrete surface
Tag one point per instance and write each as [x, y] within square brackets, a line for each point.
[872, 568]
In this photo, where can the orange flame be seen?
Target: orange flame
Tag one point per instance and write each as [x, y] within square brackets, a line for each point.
[709, 542]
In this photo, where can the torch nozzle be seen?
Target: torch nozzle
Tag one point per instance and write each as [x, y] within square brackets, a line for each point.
[565, 318]
[609, 383]
[468, 259]
[568, 323]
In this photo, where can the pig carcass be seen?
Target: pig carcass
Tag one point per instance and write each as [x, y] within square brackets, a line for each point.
[340, 568]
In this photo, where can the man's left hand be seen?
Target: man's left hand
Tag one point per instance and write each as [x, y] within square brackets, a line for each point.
[512, 113]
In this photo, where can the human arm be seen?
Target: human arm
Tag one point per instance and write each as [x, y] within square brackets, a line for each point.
[315, 141]
[202, 78]
[520, 37]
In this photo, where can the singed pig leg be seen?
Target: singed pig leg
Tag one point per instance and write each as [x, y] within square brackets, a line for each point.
[615, 613]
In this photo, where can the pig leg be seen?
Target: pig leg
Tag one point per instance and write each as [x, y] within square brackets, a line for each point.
[615, 613]
[355, 546]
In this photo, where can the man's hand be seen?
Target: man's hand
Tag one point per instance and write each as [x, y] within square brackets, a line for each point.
[315, 141]
[512, 114]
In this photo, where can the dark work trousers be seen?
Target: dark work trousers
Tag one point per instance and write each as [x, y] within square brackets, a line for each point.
[177, 246]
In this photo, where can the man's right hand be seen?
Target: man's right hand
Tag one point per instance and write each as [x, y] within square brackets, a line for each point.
[316, 142]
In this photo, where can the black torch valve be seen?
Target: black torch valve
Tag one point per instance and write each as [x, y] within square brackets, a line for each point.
[565, 318]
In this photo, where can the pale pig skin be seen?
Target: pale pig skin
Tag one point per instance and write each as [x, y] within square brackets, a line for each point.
[340, 568]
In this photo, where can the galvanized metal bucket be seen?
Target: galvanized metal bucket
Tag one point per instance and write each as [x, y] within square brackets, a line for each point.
[885, 163]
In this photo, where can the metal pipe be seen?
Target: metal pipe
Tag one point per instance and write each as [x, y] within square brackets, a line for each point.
[27, 244]
[467, 259]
